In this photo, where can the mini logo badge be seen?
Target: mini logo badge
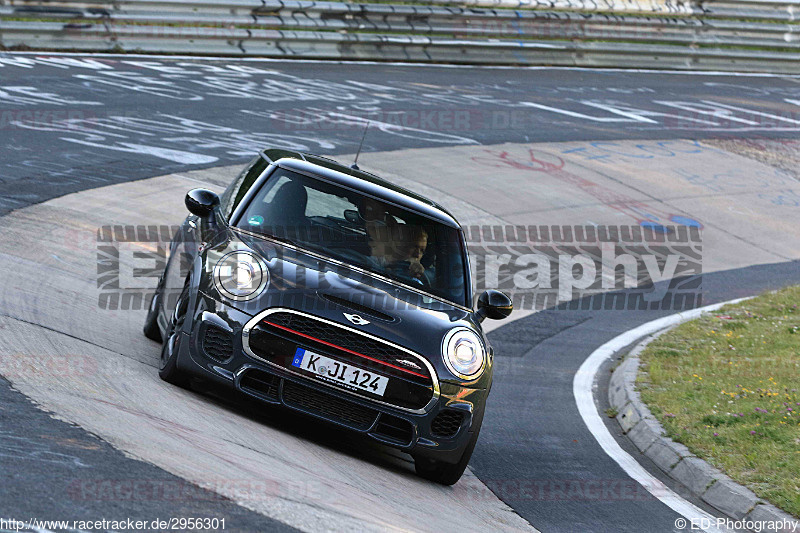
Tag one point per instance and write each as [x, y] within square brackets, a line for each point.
[355, 319]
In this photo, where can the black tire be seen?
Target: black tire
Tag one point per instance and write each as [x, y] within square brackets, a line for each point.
[150, 329]
[445, 473]
[169, 371]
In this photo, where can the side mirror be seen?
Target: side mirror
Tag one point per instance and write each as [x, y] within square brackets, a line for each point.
[201, 202]
[493, 304]
[352, 216]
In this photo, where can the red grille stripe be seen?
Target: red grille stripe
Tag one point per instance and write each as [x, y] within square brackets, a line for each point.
[400, 368]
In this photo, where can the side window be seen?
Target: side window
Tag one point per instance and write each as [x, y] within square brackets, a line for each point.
[236, 190]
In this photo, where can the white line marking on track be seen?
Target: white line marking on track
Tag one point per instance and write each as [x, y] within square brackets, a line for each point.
[398, 63]
[582, 389]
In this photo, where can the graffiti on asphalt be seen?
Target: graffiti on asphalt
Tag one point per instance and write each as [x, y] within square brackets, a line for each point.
[144, 110]
[16, 448]
[733, 180]
[646, 215]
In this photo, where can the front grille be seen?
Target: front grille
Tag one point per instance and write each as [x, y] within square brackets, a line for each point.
[261, 384]
[447, 423]
[319, 403]
[218, 344]
[394, 429]
[352, 341]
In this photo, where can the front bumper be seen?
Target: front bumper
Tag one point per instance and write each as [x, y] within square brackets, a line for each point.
[442, 430]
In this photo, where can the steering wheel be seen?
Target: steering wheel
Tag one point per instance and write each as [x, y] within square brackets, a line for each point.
[404, 269]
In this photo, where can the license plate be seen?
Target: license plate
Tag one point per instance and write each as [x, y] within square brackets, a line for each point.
[342, 374]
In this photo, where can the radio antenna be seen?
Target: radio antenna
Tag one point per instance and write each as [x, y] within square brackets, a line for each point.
[354, 166]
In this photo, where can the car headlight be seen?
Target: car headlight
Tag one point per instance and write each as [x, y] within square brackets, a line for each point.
[241, 275]
[464, 353]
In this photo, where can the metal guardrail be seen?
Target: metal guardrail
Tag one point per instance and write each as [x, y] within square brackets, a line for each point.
[758, 35]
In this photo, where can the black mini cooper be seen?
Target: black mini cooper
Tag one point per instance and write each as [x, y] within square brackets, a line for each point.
[332, 292]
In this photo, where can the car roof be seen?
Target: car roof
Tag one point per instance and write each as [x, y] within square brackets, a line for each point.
[361, 181]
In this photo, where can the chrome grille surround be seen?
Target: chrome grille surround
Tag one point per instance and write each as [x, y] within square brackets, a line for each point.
[264, 314]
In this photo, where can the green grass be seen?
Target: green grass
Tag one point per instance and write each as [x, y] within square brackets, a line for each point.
[726, 385]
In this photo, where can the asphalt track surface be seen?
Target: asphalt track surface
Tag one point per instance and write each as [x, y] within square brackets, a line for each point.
[70, 123]
[68, 127]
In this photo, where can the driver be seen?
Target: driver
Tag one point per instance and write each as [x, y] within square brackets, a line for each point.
[409, 247]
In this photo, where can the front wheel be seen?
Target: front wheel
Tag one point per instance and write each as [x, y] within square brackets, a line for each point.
[169, 371]
[445, 473]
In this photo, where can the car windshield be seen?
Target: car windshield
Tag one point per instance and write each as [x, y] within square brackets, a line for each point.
[360, 230]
